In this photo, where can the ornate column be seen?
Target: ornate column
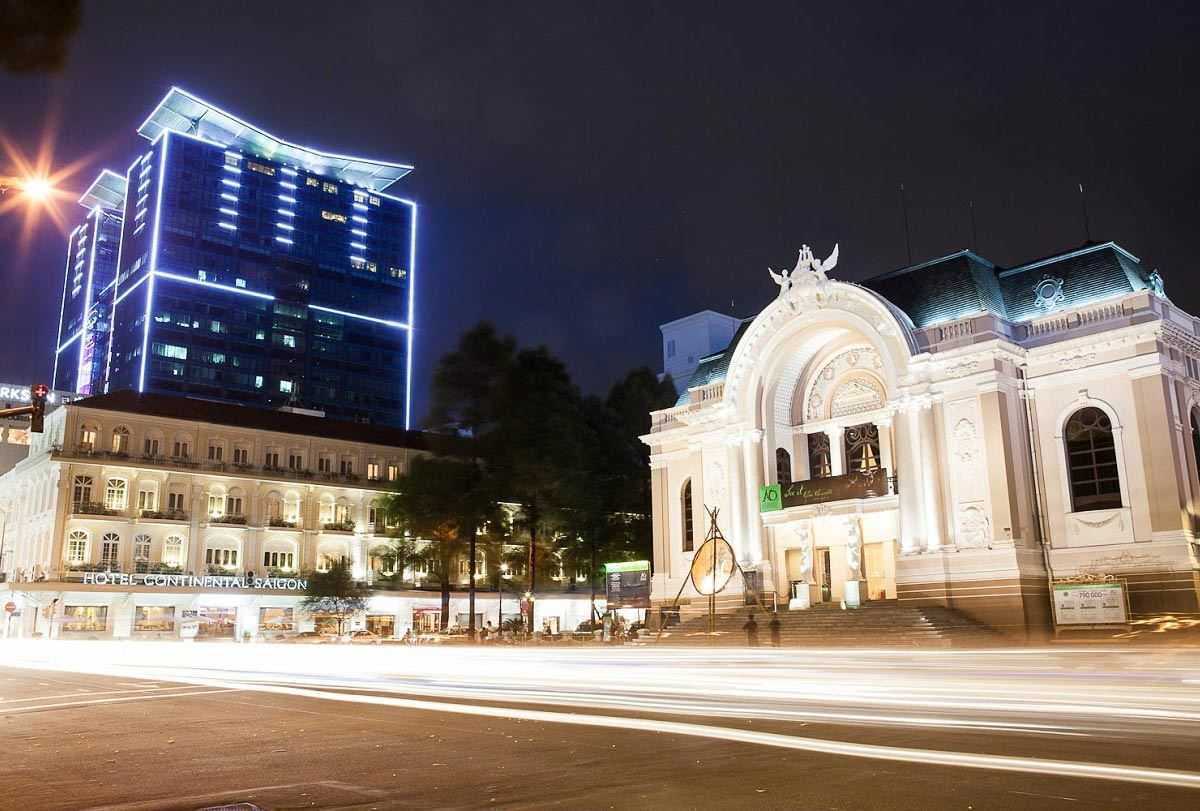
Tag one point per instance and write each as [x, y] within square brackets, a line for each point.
[931, 467]
[60, 480]
[661, 516]
[885, 445]
[912, 523]
[837, 450]
[800, 470]
[854, 584]
[733, 525]
[752, 464]
[195, 546]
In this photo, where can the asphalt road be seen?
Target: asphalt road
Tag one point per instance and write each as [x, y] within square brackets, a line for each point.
[81, 726]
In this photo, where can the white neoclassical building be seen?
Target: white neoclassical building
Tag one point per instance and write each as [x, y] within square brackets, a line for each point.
[134, 512]
[952, 433]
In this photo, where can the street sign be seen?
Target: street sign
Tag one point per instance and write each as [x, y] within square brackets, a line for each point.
[627, 584]
[1082, 603]
[770, 498]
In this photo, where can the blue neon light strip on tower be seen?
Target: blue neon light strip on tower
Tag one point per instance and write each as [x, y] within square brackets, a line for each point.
[201, 283]
[371, 318]
[62, 308]
[162, 181]
[87, 296]
[112, 316]
[412, 316]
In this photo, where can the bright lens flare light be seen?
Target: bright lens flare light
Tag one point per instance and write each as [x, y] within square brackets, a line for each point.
[34, 184]
[37, 189]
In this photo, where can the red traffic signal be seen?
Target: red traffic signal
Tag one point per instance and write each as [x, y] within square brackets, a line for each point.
[37, 414]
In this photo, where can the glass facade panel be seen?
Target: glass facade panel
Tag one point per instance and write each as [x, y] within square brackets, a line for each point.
[245, 280]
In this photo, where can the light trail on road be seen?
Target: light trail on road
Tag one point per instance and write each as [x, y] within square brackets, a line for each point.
[1111, 695]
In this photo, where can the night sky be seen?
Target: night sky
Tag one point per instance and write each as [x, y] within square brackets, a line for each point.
[587, 171]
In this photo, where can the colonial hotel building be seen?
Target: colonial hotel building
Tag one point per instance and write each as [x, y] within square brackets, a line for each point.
[136, 512]
[952, 433]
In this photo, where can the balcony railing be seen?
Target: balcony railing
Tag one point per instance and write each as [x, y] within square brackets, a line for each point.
[227, 519]
[92, 508]
[282, 523]
[165, 515]
[338, 526]
[84, 451]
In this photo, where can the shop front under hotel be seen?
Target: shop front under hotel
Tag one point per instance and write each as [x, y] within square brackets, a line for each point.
[953, 433]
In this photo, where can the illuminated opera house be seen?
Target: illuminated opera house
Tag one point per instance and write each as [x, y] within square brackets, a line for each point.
[953, 433]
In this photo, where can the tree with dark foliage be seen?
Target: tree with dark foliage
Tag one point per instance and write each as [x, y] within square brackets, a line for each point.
[335, 592]
[34, 34]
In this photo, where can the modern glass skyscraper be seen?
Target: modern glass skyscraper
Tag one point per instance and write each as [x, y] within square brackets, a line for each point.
[255, 271]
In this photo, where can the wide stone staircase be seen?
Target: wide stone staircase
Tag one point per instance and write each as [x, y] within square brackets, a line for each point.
[879, 623]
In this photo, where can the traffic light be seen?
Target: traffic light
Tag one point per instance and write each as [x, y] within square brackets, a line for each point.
[37, 401]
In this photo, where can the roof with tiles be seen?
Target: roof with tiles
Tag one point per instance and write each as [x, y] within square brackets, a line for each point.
[963, 283]
[260, 419]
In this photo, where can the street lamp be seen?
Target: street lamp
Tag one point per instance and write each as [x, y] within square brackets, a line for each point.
[36, 187]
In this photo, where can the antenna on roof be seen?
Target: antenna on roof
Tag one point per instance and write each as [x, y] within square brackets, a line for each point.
[1087, 226]
[907, 236]
[974, 230]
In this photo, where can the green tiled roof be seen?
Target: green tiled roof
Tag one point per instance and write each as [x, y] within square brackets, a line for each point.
[963, 283]
[943, 289]
[1092, 273]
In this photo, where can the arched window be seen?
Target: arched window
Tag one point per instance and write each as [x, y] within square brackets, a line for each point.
[141, 548]
[172, 554]
[862, 448]
[1092, 461]
[820, 464]
[87, 438]
[783, 467]
[82, 492]
[77, 547]
[110, 549]
[689, 527]
[116, 493]
[120, 440]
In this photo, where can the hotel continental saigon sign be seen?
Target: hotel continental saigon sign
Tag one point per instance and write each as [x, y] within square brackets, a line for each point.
[866, 484]
[188, 581]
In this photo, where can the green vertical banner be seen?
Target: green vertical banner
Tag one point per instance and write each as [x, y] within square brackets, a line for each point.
[770, 498]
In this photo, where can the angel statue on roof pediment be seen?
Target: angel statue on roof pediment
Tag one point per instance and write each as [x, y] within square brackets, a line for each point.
[808, 271]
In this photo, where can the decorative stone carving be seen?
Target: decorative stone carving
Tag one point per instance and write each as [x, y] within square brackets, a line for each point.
[962, 368]
[974, 528]
[1118, 517]
[1049, 292]
[714, 484]
[1122, 560]
[804, 536]
[966, 441]
[809, 273]
[833, 394]
[853, 548]
[856, 396]
[1076, 359]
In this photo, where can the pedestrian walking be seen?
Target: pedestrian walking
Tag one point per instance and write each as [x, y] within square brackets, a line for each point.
[751, 629]
[775, 626]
